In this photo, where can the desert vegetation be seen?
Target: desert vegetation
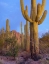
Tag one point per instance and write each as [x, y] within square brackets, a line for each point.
[30, 49]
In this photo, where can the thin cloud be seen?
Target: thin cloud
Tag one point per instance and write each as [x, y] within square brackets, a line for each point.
[47, 30]
[3, 4]
[9, 6]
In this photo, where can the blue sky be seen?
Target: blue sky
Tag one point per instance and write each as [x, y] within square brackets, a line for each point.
[10, 9]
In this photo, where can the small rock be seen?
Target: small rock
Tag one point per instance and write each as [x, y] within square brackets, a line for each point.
[25, 55]
[47, 58]
[29, 61]
[43, 61]
[20, 60]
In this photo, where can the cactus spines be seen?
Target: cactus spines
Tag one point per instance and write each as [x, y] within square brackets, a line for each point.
[37, 15]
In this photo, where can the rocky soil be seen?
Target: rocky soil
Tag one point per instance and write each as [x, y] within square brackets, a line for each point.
[24, 58]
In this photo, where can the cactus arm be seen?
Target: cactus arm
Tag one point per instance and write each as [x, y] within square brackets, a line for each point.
[27, 17]
[22, 6]
[40, 9]
[33, 4]
[25, 12]
[42, 18]
[43, 6]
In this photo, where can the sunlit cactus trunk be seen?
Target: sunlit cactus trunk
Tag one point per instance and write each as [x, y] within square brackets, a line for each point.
[34, 41]
[7, 28]
[27, 43]
[26, 32]
[22, 37]
[37, 16]
[27, 37]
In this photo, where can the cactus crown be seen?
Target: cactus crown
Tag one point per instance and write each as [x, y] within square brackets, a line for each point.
[37, 11]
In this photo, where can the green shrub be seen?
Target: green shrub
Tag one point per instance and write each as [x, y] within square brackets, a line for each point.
[8, 53]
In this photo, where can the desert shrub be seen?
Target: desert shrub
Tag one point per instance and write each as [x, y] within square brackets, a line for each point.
[13, 46]
[8, 53]
[44, 43]
[45, 37]
[14, 50]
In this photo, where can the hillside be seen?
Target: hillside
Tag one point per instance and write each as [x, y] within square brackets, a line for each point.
[43, 42]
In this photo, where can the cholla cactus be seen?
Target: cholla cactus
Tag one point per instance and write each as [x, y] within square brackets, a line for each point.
[37, 16]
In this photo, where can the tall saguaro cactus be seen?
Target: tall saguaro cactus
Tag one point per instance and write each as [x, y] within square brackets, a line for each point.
[26, 37]
[2, 34]
[37, 16]
[21, 32]
[7, 26]
[22, 37]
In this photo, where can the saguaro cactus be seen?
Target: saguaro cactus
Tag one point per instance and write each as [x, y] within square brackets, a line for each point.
[2, 30]
[7, 26]
[22, 37]
[26, 37]
[21, 32]
[2, 34]
[37, 16]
